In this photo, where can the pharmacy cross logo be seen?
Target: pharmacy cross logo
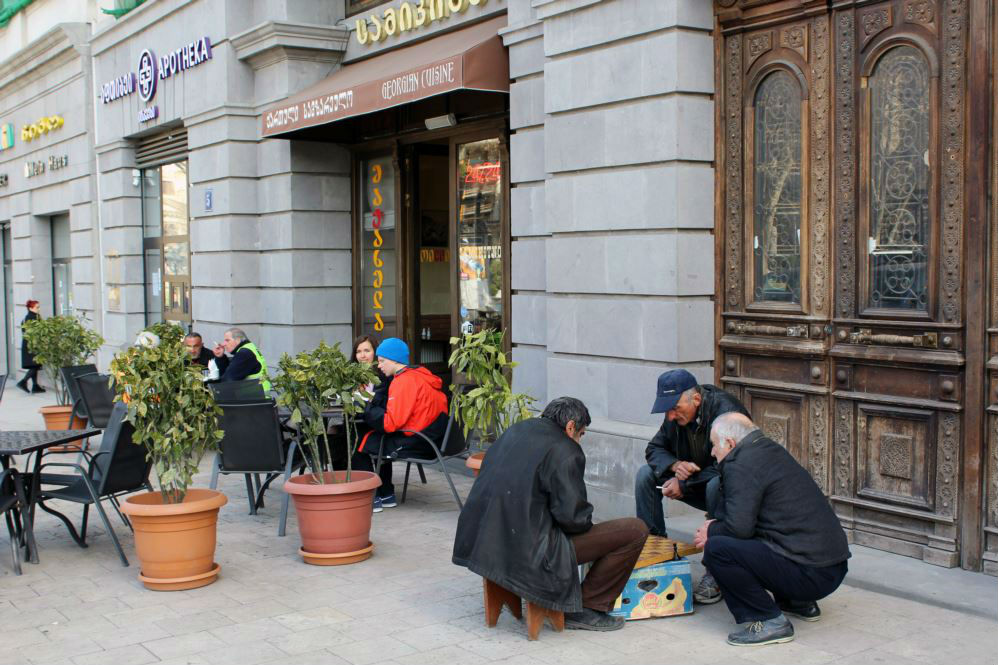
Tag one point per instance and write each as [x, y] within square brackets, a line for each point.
[147, 75]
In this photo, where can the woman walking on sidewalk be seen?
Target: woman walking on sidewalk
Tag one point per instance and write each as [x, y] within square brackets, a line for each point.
[28, 361]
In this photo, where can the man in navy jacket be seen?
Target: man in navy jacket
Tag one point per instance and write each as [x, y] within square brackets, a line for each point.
[777, 534]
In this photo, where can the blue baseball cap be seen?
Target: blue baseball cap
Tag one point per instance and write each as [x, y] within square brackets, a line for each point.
[671, 385]
[394, 349]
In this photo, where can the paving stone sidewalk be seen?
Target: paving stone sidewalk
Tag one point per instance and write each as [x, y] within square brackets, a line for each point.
[408, 604]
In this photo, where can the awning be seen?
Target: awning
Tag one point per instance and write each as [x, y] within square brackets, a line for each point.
[472, 58]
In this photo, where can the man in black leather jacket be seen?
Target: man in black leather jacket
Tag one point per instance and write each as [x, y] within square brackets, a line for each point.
[527, 523]
[679, 463]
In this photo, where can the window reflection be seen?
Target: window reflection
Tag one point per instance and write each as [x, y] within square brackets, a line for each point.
[480, 201]
[899, 181]
[778, 189]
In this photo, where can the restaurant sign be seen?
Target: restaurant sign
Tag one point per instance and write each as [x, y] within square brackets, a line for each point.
[407, 16]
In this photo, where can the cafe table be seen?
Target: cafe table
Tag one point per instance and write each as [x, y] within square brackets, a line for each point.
[36, 441]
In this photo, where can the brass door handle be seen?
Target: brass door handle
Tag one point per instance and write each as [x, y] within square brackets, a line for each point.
[929, 340]
[748, 328]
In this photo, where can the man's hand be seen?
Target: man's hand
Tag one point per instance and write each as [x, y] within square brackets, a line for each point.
[700, 538]
[671, 489]
[684, 470]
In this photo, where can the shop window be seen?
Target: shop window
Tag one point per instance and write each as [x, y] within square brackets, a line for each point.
[899, 185]
[166, 242]
[778, 189]
[479, 235]
[62, 267]
[378, 247]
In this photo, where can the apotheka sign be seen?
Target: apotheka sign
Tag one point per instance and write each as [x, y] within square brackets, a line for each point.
[408, 16]
[150, 70]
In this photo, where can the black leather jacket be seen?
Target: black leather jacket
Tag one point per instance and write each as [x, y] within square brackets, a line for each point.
[528, 500]
[691, 442]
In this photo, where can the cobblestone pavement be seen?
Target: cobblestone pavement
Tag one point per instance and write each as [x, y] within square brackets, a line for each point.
[408, 604]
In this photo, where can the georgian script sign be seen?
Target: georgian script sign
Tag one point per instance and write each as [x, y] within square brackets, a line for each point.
[408, 16]
[472, 58]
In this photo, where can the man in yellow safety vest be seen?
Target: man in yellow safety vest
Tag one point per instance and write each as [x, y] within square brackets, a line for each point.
[238, 359]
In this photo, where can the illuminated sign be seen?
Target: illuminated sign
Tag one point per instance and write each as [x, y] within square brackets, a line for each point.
[147, 75]
[378, 216]
[43, 126]
[408, 16]
[484, 173]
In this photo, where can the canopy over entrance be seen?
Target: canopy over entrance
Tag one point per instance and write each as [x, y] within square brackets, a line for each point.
[472, 58]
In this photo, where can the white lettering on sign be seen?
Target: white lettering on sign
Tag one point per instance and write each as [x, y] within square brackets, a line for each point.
[185, 57]
[147, 114]
[117, 88]
[413, 82]
[3, 179]
[282, 117]
[316, 108]
[60, 162]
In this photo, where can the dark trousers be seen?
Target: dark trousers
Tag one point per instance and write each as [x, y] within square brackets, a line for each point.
[614, 548]
[747, 571]
[648, 499]
[32, 375]
[408, 445]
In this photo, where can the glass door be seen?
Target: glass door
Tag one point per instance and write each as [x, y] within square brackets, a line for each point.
[431, 258]
[480, 238]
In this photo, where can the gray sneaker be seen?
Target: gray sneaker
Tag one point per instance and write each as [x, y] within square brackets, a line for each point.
[589, 619]
[758, 633]
[707, 591]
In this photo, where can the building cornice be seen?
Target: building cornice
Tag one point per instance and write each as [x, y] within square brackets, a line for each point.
[548, 8]
[274, 41]
[33, 57]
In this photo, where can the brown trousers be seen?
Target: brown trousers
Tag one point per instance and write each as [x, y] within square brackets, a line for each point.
[614, 548]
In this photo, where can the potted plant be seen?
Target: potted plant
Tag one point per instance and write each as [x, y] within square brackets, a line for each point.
[57, 342]
[490, 406]
[176, 419]
[333, 507]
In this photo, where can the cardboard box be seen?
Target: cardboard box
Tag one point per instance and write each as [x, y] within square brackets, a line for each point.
[659, 590]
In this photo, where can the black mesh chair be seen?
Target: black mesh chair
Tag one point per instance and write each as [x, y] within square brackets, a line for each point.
[238, 392]
[253, 445]
[69, 375]
[97, 397]
[119, 467]
[12, 503]
[454, 446]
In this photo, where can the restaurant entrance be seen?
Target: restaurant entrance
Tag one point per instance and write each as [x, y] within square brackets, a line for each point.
[432, 267]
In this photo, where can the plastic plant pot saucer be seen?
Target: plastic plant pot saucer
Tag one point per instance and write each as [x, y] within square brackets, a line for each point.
[338, 559]
[181, 583]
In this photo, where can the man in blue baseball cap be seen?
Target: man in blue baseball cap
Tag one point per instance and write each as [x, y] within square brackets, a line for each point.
[679, 462]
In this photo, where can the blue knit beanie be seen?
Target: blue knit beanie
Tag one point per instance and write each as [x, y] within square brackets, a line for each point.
[394, 349]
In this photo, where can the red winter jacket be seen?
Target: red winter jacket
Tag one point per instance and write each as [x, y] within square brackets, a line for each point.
[415, 401]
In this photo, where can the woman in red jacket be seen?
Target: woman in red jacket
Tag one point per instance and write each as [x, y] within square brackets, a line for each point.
[415, 403]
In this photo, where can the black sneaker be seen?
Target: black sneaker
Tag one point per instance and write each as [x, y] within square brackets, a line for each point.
[759, 633]
[23, 387]
[802, 609]
[589, 619]
[37, 389]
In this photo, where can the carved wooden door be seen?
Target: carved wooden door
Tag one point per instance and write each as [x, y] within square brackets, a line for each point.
[841, 158]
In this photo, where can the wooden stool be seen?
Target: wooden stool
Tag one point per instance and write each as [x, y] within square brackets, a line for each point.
[496, 596]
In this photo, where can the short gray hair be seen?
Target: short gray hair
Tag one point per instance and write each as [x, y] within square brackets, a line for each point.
[237, 334]
[563, 410]
[732, 425]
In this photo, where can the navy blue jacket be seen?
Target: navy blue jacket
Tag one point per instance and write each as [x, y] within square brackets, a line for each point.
[242, 364]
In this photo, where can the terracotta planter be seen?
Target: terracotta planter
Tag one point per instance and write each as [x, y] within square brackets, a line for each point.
[175, 541]
[474, 462]
[57, 417]
[334, 518]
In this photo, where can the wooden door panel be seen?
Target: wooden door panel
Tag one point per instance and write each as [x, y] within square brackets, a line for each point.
[780, 416]
[990, 554]
[895, 457]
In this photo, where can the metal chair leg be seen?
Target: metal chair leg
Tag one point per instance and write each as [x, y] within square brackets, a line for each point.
[405, 485]
[215, 467]
[422, 475]
[250, 494]
[460, 506]
[282, 524]
[15, 555]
